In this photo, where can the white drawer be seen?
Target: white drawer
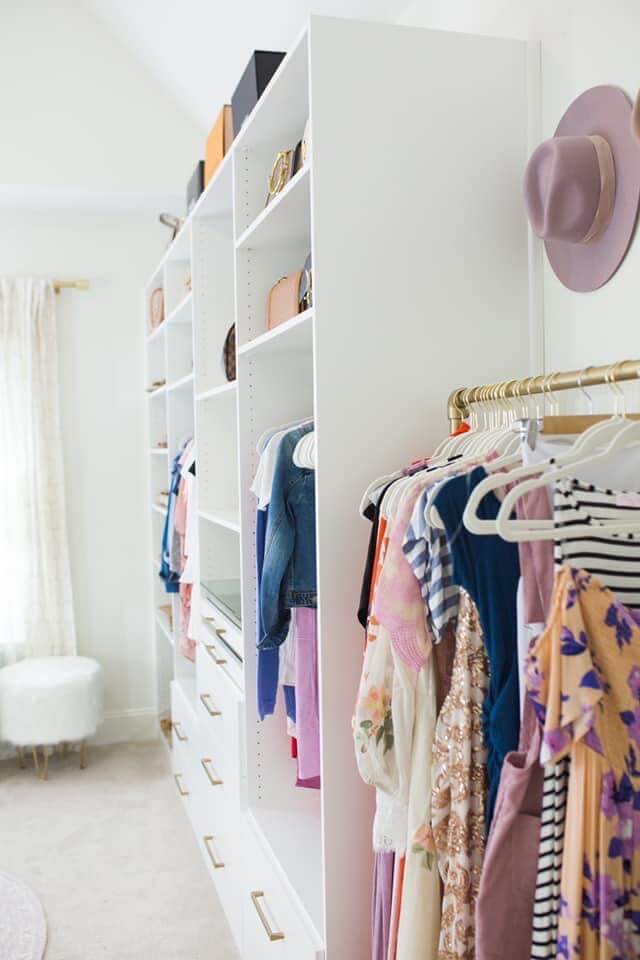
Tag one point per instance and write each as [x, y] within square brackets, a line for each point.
[219, 631]
[219, 836]
[272, 926]
[183, 725]
[220, 712]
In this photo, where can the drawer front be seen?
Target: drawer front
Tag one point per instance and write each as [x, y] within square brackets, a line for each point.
[218, 631]
[220, 840]
[219, 711]
[183, 730]
[271, 923]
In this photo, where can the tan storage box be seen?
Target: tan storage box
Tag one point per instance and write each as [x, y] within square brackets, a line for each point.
[218, 142]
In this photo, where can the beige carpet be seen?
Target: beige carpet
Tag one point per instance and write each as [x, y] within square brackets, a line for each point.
[113, 859]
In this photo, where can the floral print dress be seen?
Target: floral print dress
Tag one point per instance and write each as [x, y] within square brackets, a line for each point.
[459, 787]
[583, 676]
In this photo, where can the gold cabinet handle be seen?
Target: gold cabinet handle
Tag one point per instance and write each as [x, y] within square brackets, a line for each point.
[210, 707]
[210, 772]
[216, 864]
[176, 730]
[211, 650]
[256, 896]
[214, 626]
[178, 777]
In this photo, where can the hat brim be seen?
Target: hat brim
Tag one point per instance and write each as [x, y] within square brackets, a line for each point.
[605, 111]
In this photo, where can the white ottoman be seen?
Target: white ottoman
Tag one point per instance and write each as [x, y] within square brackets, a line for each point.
[49, 701]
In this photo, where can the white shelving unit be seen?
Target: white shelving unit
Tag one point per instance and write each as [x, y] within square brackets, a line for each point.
[410, 208]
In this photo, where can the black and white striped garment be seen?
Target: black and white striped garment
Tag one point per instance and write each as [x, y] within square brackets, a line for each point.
[615, 561]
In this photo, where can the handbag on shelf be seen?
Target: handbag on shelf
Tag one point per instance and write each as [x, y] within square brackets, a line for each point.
[229, 354]
[283, 301]
[156, 308]
[305, 289]
[281, 173]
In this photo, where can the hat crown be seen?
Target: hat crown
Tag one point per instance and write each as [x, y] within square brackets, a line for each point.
[562, 188]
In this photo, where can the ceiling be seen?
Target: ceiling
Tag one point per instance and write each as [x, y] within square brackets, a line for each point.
[197, 49]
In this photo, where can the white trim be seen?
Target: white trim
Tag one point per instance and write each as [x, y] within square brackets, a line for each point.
[134, 724]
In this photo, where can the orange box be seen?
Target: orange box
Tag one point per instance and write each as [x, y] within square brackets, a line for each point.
[218, 142]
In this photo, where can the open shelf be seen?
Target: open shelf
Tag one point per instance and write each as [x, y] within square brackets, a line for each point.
[223, 518]
[180, 384]
[158, 392]
[286, 218]
[216, 199]
[180, 248]
[294, 336]
[182, 313]
[222, 391]
[157, 333]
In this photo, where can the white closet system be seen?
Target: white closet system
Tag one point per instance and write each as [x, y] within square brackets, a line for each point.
[411, 208]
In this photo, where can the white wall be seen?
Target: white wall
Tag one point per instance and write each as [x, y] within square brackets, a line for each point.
[81, 118]
[92, 149]
[582, 43]
[100, 342]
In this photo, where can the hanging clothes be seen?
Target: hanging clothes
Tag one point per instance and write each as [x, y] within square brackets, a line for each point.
[459, 788]
[488, 569]
[584, 679]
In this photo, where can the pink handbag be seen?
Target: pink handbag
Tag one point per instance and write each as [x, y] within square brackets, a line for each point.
[504, 908]
[284, 300]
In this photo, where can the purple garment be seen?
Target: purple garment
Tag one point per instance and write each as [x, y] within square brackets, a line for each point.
[383, 864]
[307, 707]
[536, 557]
[504, 908]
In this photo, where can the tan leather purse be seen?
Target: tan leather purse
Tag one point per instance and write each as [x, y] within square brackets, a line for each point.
[283, 302]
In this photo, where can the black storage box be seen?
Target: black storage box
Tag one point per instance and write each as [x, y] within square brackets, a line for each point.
[195, 186]
[261, 67]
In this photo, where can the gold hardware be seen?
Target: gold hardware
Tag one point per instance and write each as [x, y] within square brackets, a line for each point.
[178, 777]
[280, 172]
[257, 895]
[59, 285]
[211, 774]
[460, 400]
[211, 710]
[217, 864]
[214, 626]
[176, 730]
[211, 650]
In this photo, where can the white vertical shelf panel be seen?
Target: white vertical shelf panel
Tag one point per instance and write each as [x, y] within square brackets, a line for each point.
[420, 271]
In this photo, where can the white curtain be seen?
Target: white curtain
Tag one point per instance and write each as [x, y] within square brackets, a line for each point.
[36, 606]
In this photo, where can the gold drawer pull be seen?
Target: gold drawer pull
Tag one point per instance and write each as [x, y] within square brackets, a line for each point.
[210, 772]
[178, 777]
[217, 864]
[210, 707]
[211, 650]
[220, 630]
[256, 895]
[176, 730]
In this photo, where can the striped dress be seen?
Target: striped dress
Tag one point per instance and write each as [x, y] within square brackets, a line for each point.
[615, 560]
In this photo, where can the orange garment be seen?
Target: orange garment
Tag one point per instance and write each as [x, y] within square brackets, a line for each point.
[583, 676]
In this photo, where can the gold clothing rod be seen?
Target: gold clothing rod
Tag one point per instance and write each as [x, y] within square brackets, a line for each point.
[549, 383]
[59, 285]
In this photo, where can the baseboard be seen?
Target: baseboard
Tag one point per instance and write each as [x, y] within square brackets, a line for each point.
[125, 726]
[118, 726]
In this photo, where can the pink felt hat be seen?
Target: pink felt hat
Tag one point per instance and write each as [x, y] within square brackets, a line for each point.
[582, 189]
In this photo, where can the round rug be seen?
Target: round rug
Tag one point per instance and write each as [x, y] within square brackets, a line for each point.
[23, 928]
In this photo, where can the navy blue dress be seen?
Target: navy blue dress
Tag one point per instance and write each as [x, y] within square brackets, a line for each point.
[487, 567]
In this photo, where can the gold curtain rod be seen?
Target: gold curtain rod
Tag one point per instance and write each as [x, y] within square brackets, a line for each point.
[59, 285]
[461, 399]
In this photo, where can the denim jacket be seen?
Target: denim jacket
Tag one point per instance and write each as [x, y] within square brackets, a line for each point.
[171, 577]
[289, 570]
